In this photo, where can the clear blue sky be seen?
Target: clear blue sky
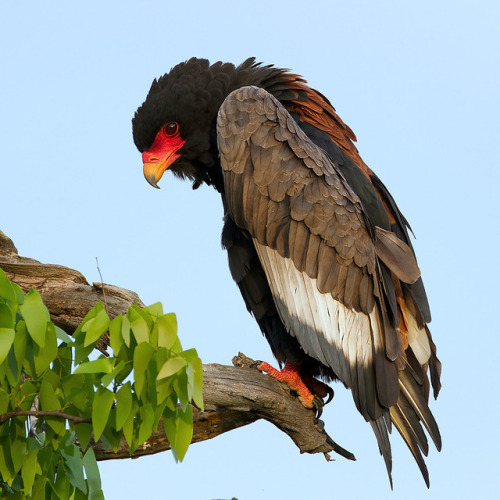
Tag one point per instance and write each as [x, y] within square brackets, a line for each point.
[417, 82]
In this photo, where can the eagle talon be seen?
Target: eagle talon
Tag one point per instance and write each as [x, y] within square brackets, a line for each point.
[330, 394]
[318, 404]
[256, 365]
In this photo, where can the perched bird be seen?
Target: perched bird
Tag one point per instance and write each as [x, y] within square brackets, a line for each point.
[315, 241]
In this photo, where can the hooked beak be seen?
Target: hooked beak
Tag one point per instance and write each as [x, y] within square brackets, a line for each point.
[162, 154]
[153, 170]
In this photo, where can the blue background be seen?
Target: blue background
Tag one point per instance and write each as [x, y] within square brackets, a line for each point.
[417, 82]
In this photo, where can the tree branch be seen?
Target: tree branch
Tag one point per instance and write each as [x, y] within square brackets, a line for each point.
[233, 396]
[40, 413]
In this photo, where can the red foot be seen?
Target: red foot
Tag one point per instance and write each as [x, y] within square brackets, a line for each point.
[319, 388]
[291, 376]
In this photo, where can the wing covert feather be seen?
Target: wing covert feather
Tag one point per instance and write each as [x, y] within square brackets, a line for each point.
[325, 264]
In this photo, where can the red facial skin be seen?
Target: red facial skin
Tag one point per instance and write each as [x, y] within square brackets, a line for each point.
[163, 152]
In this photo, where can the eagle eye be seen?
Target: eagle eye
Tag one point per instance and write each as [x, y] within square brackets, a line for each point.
[171, 129]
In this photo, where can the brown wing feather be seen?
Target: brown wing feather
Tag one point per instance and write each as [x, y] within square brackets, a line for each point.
[314, 108]
[324, 216]
[319, 256]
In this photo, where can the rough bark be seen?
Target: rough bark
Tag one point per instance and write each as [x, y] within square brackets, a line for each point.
[234, 396]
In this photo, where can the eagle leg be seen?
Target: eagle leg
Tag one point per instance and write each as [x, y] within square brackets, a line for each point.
[291, 376]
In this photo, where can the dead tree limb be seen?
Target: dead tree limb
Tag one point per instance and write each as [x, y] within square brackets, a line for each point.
[233, 396]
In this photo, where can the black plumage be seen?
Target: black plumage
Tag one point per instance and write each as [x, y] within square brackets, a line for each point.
[316, 244]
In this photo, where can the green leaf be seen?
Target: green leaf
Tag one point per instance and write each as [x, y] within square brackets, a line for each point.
[155, 309]
[128, 426]
[48, 399]
[180, 384]
[20, 342]
[75, 390]
[38, 492]
[7, 319]
[78, 495]
[194, 373]
[62, 335]
[18, 451]
[107, 379]
[96, 327]
[19, 293]
[4, 401]
[93, 477]
[43, 356]
[63, 363]
[189, 354]
[169, 424]
[147, 419]
[167, 330]
[6, 289]
[6, 468]
[28, 470]
[143, 312]
[12, 371]
[101, 365]
[126, 331]
[36, 316]
[184, 432]
[74, 461]
[50, 402]
[81, 352]
[152, 373]
[158, 412]
[6, 340]
[29, 391]
[172, 366]
[115, 337]
[163, 390]
[103, 400]
[62, 484]
[142, 355]
[177, 346]
[83, 432]
[139, 327]
[111, 436]
[123, 405]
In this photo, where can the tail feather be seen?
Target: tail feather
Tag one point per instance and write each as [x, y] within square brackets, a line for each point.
[413, 424]
[434, 366]
[411, 414]
[417, 401]
[381, 431]
[404, 429]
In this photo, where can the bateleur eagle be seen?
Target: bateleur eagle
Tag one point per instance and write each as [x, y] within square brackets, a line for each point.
[315, 241]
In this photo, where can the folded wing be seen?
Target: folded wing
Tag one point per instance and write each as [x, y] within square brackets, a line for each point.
[328, 268]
